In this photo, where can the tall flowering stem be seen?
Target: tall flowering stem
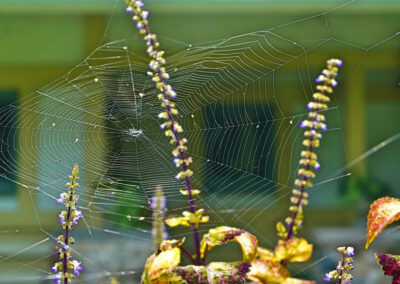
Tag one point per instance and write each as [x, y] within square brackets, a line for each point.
[68, 218]
[169, 125]
[315, 122]
[342, 271]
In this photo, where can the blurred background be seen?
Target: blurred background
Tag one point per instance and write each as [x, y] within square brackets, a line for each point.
[213, 49]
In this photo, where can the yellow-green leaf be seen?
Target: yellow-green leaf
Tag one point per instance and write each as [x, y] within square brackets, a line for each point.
[176, 221]
[267, 272]
[383, 212]
[265, 254]
[293, 250]
[224, 234]
[159, 265]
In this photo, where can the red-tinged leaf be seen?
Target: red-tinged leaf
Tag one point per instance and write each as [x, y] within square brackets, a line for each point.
[215, 272]
[390, 264]
[383, 212]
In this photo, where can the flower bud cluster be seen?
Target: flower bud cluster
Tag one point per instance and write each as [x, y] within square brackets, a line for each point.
[68, 218]
[308, 161]
[170, 126]
[342, 271]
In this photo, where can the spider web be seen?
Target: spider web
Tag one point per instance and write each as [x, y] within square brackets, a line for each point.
[239, 115]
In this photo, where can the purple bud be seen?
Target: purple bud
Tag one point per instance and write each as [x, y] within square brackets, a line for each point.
[317, 166]
[327, 278]
[350, 251]
[339, 62]
[153, 203]
[303, 124]
[319, 79]
[128, 9]
[139, 25]
[77, 267]
[324, 127]
[145, 15]
[62, 218]
[309, 106]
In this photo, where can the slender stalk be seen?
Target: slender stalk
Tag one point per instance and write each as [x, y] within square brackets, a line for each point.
[341, 269]
[304, 178]
[309, 158]
[152, 44]
[65, 260]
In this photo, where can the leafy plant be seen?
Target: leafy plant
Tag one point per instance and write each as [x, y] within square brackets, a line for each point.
[382, 213]
[258, 264]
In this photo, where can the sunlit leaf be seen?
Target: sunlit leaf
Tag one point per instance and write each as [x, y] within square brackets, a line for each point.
[293, 250]
[390, 264]
[160, 264]
[223, 234]
[267, 272]
[177, 221]
[265, 254]
[383, 212]
[215, 272]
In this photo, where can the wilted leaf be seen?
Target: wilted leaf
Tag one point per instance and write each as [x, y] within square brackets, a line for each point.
[383, 212]
[390, 264]
[215, 272]
[293, 250]
[160, 264]
[223, 234]
[267, 272]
